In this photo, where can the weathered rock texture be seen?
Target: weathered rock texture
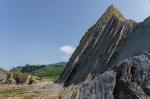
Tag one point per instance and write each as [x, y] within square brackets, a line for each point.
[138, 42]
[97, 47]
[130, 80]
[7, 78]
[100, 88]
[106, 59]
[133, 78]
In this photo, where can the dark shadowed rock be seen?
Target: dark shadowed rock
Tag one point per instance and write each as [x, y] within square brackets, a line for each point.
[97, 47]
[130, 80]
[100, 88]
[133, 78]
[113, 59]
[138, 42]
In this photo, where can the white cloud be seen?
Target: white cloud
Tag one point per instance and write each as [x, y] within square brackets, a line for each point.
[67, 49]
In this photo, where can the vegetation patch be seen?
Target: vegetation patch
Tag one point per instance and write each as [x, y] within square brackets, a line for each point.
[50, 72]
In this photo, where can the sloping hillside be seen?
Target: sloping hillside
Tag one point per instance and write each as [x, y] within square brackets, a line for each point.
[2, 69]
[50, 71]
[3, 76]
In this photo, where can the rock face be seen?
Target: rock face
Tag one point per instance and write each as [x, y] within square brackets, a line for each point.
[136, 43]
[133, 78]
[130, 80]
[98, 46]
[112, 60]
[100, 88]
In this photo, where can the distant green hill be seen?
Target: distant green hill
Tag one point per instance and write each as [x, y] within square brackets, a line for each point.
[2, 69]
[16, 69]
[50, 71]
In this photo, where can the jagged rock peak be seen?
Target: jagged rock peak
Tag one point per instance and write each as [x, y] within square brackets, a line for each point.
[113, 11]
[147, 20]
[109, 13]
[97, 48]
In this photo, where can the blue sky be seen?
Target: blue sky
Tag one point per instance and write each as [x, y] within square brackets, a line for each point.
[48, 31]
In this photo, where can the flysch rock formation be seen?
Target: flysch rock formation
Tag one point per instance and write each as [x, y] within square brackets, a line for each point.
[98, 47]
[112, 61]
[137, 43]
[130, 80]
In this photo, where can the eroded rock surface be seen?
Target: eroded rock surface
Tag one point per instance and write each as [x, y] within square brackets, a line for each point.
[136, 43]
[97, 47]
[100, 88]
[116, 46]
[133, 78]
[129, 80]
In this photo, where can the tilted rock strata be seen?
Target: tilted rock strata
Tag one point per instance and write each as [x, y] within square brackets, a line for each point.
[100, 88]
[137, 43]
[130, 80]
[97, 47]
[111, 45]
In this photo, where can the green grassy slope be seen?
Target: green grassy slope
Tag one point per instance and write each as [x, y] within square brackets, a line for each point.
[51, 71]
[2, 70]
[16, 69]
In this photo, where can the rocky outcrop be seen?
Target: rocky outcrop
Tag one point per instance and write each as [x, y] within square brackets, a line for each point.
[100, 88]
[129, 80]
[112, 60]
[136, 43]
[133, 78]
[20, 78]
[7, 78]
[98, 47]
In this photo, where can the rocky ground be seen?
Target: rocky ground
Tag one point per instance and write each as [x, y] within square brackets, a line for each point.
[37, 91]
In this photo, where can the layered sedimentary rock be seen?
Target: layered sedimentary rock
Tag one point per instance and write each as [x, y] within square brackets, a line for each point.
[97, 47]
[112, 60]
[101, 87]
[133, 78]
[136, 43]
[130, 80]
